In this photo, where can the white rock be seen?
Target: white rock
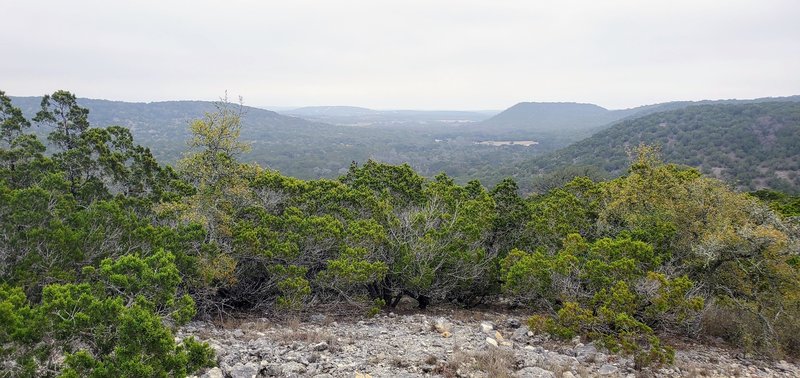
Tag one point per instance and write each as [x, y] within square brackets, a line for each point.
[491, 341]
[320, 347]
[520, 334]
[535, 372]
[586, 352]
[213, 373]
[785, 366]
[608, 370]
[249, 370]
[292, 367]
[487, 328]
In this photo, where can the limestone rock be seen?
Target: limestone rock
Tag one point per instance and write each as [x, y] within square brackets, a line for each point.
[319, 347]
[608, 370]
[213, 373]
[402, 346]
[293, 367]
[535, 372]
[520, 334]
[249, 370]
[585, 353]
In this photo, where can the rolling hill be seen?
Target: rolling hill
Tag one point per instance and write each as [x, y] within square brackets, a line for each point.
[163, 126]
[553, 116]
[304, 148]
[755, 147]
[750, 145]
[580, 119]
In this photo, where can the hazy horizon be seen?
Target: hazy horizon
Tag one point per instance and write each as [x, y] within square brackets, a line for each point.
[283, 108]
[419, 55]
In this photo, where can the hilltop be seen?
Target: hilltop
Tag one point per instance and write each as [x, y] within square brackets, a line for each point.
[553, 116]
[752, 146]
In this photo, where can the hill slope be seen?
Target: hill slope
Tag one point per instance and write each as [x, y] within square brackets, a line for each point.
[752, 146]
[163, 126]
[579, 119]
[308, 149]
[303, 148]
[552, 116]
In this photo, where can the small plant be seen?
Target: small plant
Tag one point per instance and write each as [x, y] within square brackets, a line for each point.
[375, 309]
[496, 362]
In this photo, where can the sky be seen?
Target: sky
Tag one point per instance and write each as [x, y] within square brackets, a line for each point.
[410, 54]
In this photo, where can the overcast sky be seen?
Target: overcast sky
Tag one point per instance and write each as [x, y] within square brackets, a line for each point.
[424, 54]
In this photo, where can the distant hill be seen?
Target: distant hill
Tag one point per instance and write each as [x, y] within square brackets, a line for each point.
[164, 126]
[330, 111]
[305, 148]
[159, 115]
[751, 145]
[571, 117]
[356, 116]
[449, 142]
[552, 116]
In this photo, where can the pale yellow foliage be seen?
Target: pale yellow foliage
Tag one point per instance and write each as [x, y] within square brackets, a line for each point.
[211, 165]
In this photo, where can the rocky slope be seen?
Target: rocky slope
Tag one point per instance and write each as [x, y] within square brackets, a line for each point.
[455, 344]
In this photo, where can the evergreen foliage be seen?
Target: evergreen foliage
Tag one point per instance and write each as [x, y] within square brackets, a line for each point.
[750, 146]
[103, 251]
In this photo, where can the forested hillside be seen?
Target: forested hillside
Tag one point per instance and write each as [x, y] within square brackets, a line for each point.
[574, 121]
[435, 142]
[312, 150]
[104, 252]
[161, 126]
[751, 146]
[553, 116]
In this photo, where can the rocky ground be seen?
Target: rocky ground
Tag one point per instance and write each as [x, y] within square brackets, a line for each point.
[454, 344]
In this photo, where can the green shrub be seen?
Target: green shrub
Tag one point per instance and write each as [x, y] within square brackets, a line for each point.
[111, 326]
[610, 295]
